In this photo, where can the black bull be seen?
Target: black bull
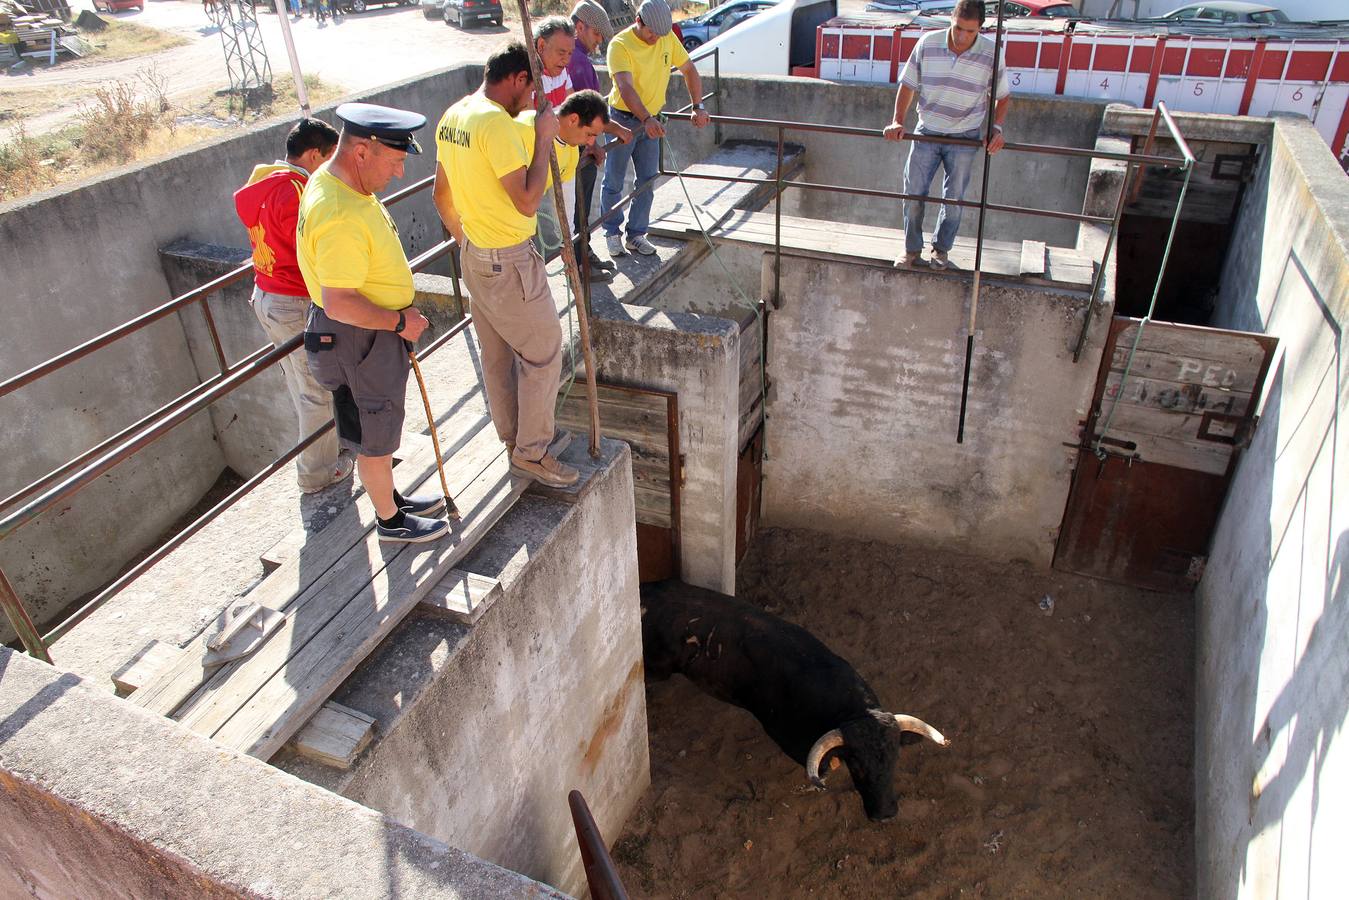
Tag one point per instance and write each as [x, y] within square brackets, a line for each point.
[809, 700]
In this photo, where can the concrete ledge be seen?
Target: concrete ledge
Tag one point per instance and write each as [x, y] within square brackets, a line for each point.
[99, 799]
[483, 730]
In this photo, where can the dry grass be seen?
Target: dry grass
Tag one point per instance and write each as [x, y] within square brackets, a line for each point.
[132, 122]
[126, 40]
[283, 103]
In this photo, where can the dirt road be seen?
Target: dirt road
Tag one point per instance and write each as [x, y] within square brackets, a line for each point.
[358, 52]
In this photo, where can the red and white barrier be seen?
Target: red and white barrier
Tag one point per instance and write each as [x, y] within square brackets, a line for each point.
[1237, 76]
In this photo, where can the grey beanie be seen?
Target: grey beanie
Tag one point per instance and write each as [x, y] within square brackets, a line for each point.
[656, 16]
[591, 13]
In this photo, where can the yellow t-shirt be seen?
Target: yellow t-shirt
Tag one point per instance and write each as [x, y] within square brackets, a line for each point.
[345, 239]
[477, 142]
[649, 64]
[568, 157]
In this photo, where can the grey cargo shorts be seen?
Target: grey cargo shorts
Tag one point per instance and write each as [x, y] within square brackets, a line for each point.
[367, 372]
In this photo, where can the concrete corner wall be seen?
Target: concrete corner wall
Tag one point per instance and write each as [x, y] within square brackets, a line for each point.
[101, 799]
[866, 364]
[697, 357]
[484, 729]
[1272, 692]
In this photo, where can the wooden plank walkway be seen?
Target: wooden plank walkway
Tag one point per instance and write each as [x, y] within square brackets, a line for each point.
[1059, 266]
[341, 595]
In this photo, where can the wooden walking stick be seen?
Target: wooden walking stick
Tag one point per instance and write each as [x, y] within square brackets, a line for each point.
[450, 508]
[568, 251]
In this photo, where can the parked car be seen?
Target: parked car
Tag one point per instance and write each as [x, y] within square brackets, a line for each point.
[357, 6]
[1226, 12]
[433, 9]
[115, 5]
[701, 29]
[464, 13]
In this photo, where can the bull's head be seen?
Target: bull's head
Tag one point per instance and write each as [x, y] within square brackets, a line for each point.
[870, 748]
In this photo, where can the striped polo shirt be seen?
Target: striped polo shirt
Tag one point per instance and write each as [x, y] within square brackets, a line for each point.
[952, 90]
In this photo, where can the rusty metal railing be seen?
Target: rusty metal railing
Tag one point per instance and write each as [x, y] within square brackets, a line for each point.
[601, 874]
[67, 479]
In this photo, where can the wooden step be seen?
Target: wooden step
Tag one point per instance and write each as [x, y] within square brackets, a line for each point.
[463, 595]
[340, 597]
[334, 736]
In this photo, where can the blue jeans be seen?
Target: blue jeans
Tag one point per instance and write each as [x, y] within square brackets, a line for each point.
[924, 158]
[645, 155]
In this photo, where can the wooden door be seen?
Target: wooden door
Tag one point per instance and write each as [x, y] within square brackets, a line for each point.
[1169, 419]
[649, 421]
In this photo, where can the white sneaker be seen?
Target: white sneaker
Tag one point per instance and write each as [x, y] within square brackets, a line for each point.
[615, 244]
[640, 245]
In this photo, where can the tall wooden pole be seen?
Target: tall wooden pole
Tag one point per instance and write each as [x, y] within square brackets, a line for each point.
[979, 238]
[568, 251]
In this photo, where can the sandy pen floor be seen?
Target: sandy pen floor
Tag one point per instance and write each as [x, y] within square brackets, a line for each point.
[1069, 772]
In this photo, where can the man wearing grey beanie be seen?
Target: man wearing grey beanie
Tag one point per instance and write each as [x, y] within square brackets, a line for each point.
[640, 58]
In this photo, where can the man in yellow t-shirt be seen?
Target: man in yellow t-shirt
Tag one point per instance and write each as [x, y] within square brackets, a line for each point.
[487, 190]
[581, 118]
[640, 58]
[361, 286]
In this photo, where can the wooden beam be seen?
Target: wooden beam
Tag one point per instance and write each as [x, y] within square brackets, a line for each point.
[463, 595]
[334, 736]
[154, 658]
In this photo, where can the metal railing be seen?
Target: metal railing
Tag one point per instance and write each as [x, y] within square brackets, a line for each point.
[67, 479]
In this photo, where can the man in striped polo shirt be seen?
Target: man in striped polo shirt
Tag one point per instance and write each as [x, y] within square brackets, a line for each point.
[949, 71]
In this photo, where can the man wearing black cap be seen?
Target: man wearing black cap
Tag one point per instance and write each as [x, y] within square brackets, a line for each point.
[361, 287]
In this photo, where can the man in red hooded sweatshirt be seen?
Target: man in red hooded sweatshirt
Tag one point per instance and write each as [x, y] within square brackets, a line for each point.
[268, 205]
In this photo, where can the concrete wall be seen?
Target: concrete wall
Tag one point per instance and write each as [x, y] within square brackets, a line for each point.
[99, 799]
[1021, 179]
[484, 730]
[1272, 765]
[865, 368]
[698, 357]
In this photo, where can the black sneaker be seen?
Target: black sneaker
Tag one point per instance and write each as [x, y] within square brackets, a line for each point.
[597, 262]
[422, 505]
[414, 530]
[601, 276]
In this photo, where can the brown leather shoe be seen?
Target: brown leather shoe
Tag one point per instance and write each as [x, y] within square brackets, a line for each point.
[546, 471]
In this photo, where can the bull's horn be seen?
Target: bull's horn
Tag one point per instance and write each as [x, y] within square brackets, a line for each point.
[918, 726]
[830, 741]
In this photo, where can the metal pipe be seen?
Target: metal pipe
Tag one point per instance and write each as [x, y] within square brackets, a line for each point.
[933, 139]
[1175, 132]
[405, 192]
[147, 436]
[979, 231]
[220, 359]
[301, 92]
[97, 343]
[896, 195]
[89, 454]
[23, 625]
[716, 101]
[214, 512]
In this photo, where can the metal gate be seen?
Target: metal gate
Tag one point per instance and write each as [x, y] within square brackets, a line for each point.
[1158, 450]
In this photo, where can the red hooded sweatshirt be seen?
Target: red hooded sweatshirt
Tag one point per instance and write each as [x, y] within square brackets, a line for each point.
[269, 205]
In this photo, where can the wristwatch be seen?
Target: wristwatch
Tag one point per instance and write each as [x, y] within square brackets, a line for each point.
[698, 106]
[398, 329]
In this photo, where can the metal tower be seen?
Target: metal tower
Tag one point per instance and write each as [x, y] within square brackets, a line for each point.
[250, 72]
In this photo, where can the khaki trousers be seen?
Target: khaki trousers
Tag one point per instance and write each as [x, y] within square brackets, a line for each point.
[521, 340]
[283, 317]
